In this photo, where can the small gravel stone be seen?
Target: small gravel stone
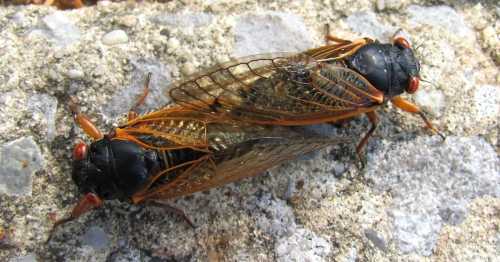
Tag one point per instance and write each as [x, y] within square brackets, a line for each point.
[128, 20]
[376, 239]
[188, 69]
[96, 237]
[115, 37]
[44, 108]
[75, 74]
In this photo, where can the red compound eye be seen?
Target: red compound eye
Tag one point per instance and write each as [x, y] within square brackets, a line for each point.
[402, 42]
[413, 85]
[80, 151]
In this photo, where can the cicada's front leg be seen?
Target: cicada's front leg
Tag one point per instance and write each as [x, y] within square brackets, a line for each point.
[83, 121]
[408, 106]
[132, 113]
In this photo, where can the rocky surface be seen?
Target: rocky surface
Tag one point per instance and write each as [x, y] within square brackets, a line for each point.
[418, 199]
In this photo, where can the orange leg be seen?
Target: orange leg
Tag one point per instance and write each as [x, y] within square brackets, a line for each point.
[330, 38]
[407, 106]
[372, 116]
[83, 121]
[132, 114]
[86, 204]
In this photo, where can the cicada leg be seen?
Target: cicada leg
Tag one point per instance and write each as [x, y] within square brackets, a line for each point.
[132, 114]
[372, 116]
[177, 211]
[86, 204]
[330, 38]
[83, 121]
[409, 107]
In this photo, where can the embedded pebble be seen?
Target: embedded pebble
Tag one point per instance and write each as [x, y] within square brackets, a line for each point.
[270, 32]
[432, 101]
[431, 183]
[128, 20]
[188, 69]
[62, 28]
[75, 74]
[367, 24]
[115, 37]
[44, 108]
[96, 237]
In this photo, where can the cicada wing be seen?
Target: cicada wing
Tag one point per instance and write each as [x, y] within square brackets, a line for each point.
[167, 129]
[282, 90]
[240, 161]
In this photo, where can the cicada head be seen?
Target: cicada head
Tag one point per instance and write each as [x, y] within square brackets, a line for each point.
[112, 168]
[92, 169]
[391, 68]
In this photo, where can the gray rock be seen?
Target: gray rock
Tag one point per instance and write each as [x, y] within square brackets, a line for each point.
[270, 32]
[302, 245]
[487, 101]
[26, 258]
[184, 20]
[439, 16]
[367, 24]
[431, 183]
[43, 108]
[279, 221]
[376, 239]
[19, 159]
[61, 28]
[122, 101]
[96, 237]
[115, 37]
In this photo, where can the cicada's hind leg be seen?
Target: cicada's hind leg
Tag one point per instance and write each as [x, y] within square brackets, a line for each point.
[132, 113]
[83, 121]
[372, 116]
[408, 106]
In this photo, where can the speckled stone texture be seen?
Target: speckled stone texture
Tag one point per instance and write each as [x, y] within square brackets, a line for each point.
[418, 199]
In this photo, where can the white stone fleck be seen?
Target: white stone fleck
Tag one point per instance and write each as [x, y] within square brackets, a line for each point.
[75, 74]
[115, 37]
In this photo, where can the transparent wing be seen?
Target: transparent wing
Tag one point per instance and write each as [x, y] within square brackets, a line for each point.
[280, 89]
[239, 161]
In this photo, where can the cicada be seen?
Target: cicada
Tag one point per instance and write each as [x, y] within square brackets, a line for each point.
[174, 152]
[331, 83]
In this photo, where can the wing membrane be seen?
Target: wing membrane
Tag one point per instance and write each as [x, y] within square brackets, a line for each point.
[284, 89]
[239, 161]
